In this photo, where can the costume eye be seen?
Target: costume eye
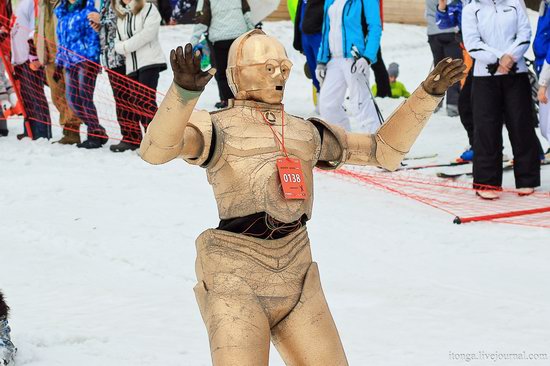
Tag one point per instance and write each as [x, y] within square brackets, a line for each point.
[270, 68]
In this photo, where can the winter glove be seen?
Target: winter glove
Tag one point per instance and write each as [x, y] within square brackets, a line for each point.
[187, 69]
[446, 73]
[360, 66]
[492, 68]
[58, 73]
[321, 73]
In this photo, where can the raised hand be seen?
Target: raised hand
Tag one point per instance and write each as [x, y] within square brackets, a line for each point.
[446, 73]
[187, 69]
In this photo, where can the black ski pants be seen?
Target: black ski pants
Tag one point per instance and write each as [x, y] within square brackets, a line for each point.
[383, 88]
[499, 100]
[442, 46]
[221, 52]
[465, 107]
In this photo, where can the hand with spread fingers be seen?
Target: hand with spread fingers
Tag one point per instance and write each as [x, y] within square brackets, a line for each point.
[187, 69]
[446, 73]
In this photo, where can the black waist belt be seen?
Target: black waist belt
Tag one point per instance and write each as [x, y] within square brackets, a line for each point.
[261, 225]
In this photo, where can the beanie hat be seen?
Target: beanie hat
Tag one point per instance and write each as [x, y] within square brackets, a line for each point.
[393, 69]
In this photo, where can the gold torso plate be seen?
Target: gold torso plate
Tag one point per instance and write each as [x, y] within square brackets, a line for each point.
[243, 171]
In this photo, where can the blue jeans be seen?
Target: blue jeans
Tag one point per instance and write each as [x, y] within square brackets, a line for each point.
[80, 84]
[311, 44]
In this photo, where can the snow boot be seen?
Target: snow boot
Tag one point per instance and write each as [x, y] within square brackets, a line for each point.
[93, 142]
[488, 194]
[123, 146]
[452, 110]
[7, 349]
[71, 136]
[467, 155]
[526, 191]
[221, 104]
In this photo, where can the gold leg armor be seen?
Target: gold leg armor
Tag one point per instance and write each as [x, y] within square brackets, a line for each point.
[251, 289]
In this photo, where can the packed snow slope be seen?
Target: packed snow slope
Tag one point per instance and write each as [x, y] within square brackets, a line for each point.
[97, 252]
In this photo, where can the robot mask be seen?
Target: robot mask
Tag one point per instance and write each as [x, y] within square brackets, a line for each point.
[258, 68]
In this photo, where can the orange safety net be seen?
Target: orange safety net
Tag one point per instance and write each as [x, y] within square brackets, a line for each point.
[456, 198]
[85, 97]
[119, 107]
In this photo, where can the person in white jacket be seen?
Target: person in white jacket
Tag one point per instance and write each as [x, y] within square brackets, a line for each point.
[497, 34]
[138, 27]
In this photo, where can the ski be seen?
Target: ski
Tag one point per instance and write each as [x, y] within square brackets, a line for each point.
[508, 166]
[428, 166]
[421, 157]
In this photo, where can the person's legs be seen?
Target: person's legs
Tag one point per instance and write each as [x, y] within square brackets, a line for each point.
[333, 94]
[150, 79]
[311, 44]
[87, 75]
[308, 335]
[487, 110]
[120, 87]
[465, 107]
[525, 144]
[451, 48]
[437, 53]
[381, 76]
[57, 87]
[221, 50]
[361, 99]
[34, 101]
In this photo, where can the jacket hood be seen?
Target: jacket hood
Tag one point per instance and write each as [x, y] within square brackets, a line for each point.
[122, 9]
[64, 5]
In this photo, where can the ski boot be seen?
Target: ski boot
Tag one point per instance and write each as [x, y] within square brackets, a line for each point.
[7, 349]
[467, 156]
[93, 142]
[452, 111]
[71, 136]
[123, 146]
[222, 104]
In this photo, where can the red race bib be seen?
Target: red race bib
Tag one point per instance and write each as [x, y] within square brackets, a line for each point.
[292, 178]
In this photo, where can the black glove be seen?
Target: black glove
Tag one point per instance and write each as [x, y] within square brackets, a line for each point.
[58, 73]
[492, 68]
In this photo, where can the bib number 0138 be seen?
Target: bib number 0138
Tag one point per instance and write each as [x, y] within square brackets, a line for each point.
[292, 178]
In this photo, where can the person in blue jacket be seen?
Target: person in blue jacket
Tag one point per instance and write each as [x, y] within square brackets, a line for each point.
[350, 41]
[78, 54]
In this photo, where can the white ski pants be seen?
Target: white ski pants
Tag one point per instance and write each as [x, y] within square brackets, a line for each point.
[544, 118]
[338, 80]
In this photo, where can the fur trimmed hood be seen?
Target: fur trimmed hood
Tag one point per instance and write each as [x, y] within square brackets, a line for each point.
[121, 9]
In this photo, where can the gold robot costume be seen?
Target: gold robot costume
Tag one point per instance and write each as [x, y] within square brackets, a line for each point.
[254, 289]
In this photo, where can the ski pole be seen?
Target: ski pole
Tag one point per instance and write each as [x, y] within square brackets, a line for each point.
[356, 56]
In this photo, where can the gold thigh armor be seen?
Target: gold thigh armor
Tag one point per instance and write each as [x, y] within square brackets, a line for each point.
[252, 290]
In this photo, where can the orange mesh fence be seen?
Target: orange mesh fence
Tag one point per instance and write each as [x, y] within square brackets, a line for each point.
[82, 94]
[456, 198]
[113, 105]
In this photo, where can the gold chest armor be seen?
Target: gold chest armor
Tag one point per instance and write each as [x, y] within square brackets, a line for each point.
[243, 171]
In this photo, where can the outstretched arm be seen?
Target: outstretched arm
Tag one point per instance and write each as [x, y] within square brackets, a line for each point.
[388, 146]
[167, 136]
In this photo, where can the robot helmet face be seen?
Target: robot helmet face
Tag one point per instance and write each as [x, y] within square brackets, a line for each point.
[258, 68]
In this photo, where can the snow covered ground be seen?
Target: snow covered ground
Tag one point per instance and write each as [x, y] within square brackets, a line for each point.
[97, 252]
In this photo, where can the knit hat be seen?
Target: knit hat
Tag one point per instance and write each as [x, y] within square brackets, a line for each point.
[393, 69]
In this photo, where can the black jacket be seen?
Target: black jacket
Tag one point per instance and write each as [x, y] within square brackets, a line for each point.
[313, 20]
